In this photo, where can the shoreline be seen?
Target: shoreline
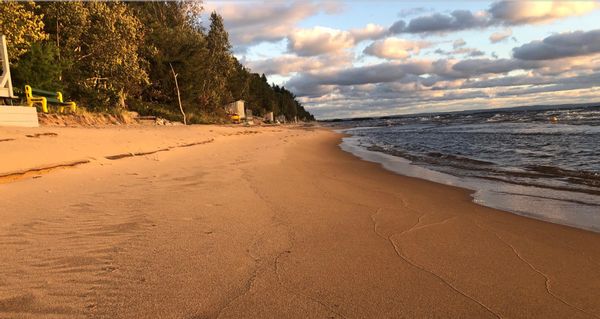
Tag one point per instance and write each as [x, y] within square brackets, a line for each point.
[270, 222]
[514, 198]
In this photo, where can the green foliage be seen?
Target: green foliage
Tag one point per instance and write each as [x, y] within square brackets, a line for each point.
[21, 26]
[219, 66]
[39, 67]
[112, 55]
[99, 42]
[239, 82]
[172, 38]
[154, 109]
[263, 98]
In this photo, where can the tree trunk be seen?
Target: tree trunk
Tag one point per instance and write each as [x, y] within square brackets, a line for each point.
[178, 96]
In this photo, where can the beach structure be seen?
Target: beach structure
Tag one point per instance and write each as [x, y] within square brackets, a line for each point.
[236, 107]
[269, 117]
[12, 115]
[6, 89]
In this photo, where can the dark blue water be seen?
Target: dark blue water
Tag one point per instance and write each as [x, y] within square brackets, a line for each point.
[546, 155]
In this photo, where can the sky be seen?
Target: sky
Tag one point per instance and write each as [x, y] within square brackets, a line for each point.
[373, 58]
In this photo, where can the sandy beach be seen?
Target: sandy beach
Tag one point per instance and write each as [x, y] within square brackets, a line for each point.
[271, 222]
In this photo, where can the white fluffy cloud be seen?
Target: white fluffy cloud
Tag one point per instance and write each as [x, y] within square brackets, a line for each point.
[395, 48]
[287, 64]
[369, 32]
[524, 12]
[319, 40]
[251, 22]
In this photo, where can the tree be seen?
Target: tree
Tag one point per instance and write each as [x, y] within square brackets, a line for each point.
[219, 66]
[99, 44]
[103, 56]
[21, 26]
[174, 37]
[39, 67]
[239, 81]
[110, 54]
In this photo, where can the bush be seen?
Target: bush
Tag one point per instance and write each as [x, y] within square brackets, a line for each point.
[39, 68]
[154, 109]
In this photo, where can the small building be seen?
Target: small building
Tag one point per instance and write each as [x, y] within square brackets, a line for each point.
[269, 117]
[236, 107]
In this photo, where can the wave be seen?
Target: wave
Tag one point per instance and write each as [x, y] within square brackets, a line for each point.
[522, 193]
[541, 176]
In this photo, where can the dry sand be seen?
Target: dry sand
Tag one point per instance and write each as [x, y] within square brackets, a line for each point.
[263, 223]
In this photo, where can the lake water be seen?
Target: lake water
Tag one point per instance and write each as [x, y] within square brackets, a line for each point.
[543, 164]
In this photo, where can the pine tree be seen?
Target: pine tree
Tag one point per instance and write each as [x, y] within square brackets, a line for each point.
[219, 65]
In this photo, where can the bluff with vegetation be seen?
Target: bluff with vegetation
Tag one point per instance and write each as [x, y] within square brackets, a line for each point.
[112, 56]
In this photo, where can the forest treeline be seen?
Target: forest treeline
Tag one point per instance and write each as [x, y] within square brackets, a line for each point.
[112, 56]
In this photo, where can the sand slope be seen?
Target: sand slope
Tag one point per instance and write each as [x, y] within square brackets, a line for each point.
[266, 223]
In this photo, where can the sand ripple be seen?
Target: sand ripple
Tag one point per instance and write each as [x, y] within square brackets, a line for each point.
[59, 267]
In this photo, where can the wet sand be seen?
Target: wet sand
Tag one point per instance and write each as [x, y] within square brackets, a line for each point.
[217, 222]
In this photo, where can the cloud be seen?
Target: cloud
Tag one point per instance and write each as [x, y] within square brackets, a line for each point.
[395, 48]
[315, 84]
[543, 89]
[441, 23]
[460, 50]
[252, 22]
[500, 36]
[458, 43]
[319, 40]
[506, 12]
[413, 11]
[425, 72]
[534, 80]
[369, 32]
[475, 67]
[398, 27]
[322, 40]
[570, 44]
[287, 64]
[475, 53]
[424, 101]
[527, 12]
[411, 94]
[446, 75]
